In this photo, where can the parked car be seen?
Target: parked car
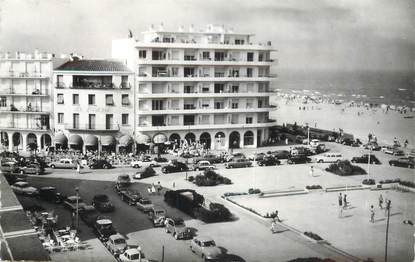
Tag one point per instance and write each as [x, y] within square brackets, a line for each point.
[298, 159]
[238, 163]
[64, 163]
[89, 215]
[144, 172]
[205, 247]
[100, 164]
[372, 146]
[203, 165]
[103, 228]
[329, 158]
[412, 153]
[212, 158]
[281, 154]
[394, 152]
[364, 159]
[269, 161]
[235, 156]
[175, 166]
[50, 194]
[116, 244]
[140, 163]
[102, 203]
[346, 141]
[157, 216]
[71, 203]
[124, 179]
[31, 169]
[177, 228]
[144, 204]
[130, 196]
[408, 162]
[132, 254]
[314, 142]
[119, 188]
[301, 150]
[9, 168]
[23, 188]
[257, 157]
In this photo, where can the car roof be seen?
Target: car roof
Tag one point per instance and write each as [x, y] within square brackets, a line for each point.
[104, 221]
[204, 238]
[48, 188]
[21, 183]
[132, 251]
[116, 236]
[65, 159]
[74, 197]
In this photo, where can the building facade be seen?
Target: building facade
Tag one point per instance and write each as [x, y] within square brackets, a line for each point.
[210, 86]
[26, 95]
[93, 104]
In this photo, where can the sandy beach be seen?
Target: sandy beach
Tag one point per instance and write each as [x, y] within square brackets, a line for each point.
[358, 121]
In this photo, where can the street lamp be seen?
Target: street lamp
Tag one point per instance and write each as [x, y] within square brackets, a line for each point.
[368, 162]
[77, 208]
[308, 133]
[388, 207]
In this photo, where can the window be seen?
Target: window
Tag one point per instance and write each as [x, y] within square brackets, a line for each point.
[249, 72]
[109, 121]
[91, 99]
[59, 99]
[75, 99]
[109, 100]
[59, 80]
[75, 121]
[206, 56]
[142, 54]
[91, 123]
[234, 104]
[250, 57]
[205, 103]
[124, 119]
[205, 89]
[157, 104]
[239, 41]
[249, 119]
[124, 82]
[235, 89]
[60, 118]
[124, 100]
[3, 101]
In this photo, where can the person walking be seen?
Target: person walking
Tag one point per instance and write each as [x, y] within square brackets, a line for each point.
[380, 201]
[277, 217]
[372, 214]
[340, 205]
[78, 168]
[311, 171]
[153, 189]
[345, 201]
[273, 226]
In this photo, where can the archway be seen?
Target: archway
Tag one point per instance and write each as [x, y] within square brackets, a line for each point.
[248, 138]
[45, 141]
[175, 138]
[17, 140]
[4, 139]
[234, 139]
[205, 140]
[220, 140]
[31, 142]
[190, 138]
[76, 142]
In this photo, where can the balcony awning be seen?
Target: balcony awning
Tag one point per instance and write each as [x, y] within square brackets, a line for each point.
[61, 139]
[159, 139]
[125, 140]
[143, 139]
[75, 140]
[91, 140]
[107, 140]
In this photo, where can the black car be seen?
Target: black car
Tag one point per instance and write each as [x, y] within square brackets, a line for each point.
[89, 215]
[50, 194]
[298, 159]
[161, 159]
[269, 161]
[364, 159]
[346, 141]
[102, 203]
[408, 162]
[100, 164]
[281, 154]
[103, 228]
[175, 166]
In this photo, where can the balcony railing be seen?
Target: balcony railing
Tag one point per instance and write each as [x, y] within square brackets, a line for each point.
[23, 75]
[95, 86]
[25, 127]
[93, 127]
[37, 92]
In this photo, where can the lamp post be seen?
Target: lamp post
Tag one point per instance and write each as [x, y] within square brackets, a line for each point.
[388, 207]
[368, 162]
[77, 208]
[308, 133]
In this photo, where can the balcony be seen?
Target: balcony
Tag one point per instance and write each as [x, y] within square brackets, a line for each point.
[145, 77]
[208, 62]
[23, 75]
[212, 45]
[35, 93]
[201, 110]
[264, 93]
[197, 126]
[27, 110]
[91, 127]
[94, 86]
[17, 127]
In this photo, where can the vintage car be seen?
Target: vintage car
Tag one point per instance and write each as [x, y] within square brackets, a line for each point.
[116, 244]
[177, 228]
[130, 196]
[72, 202]
[103, 228]
[329, 158]
[157, 216]
[64, 163]
[124, 179]
[298, 159]
[31, 169]
[203, 165]
[50, 194]
[269, 161]
[408, 162]
[205, 247]
[144, 204]
[100, 164]
[174, 166]
[238, 163]
[102, 203]
[133, 254]
[364, 159]
[89, 215]
[23, 188]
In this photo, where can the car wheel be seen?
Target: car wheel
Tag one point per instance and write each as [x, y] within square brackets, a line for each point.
[197, 169]
[320, 161]
[191, 249]
[21, 172]
[176, 236]
[392, 164]
[167, 231]
[52, 166]
[135, 166]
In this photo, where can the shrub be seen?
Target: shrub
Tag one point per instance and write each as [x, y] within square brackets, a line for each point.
[344, 168]
[389, 181]
[191, 178]
[226, 181]
[369, 181]
[211, 178]
[216, 213]
[149, 171]
[407, 183]
[313, 235]
[313, 187]
[229, 194]
[254, 191]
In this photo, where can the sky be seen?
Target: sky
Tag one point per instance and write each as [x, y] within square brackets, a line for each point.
[309, 35]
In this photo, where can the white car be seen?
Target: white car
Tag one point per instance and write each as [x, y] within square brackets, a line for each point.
[314, 142]
[24, 188]
[203, 165]
[140, 163]
[205, 247]
[133, 254]
[329, 158]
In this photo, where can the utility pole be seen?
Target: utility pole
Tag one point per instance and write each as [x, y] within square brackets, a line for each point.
[368, 162]
[77, 208]
[388, 206]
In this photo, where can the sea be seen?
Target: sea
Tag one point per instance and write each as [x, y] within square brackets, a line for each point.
[377, 87]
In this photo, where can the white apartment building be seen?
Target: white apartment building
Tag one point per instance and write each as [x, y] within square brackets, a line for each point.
[210, 85]
[26, 100]
[94, 107]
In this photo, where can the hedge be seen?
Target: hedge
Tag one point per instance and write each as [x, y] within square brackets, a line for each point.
[211, 178]
[369, 181]
[313, 187]
[345, 168]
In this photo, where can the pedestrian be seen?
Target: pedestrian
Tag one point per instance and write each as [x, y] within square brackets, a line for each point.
[372, 214]
[286, 141]
[340, 204]
[78, 168]
[386, 209]
[149, 190]
[405, 144]
[312, 171]
[174, 184]
[380, 201]
[276, 216]
[159, 188]
[345, 201]
[273, 226]
[153, 189]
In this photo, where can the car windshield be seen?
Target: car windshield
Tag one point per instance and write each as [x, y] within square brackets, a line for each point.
[159, 212]
[145, 201]
[179, 223]
[208, 243]
[102, 198]
[119, 241]
[23, 185]
[136, 256]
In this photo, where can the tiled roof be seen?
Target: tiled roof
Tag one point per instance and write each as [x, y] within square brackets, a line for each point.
[93, 65]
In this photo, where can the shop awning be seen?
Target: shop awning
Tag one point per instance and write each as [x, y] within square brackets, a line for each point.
[107, 140]
[61, 139]
[125, 140]
[159, 139]
[143, 139]
[91, 140]
[75, 140]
